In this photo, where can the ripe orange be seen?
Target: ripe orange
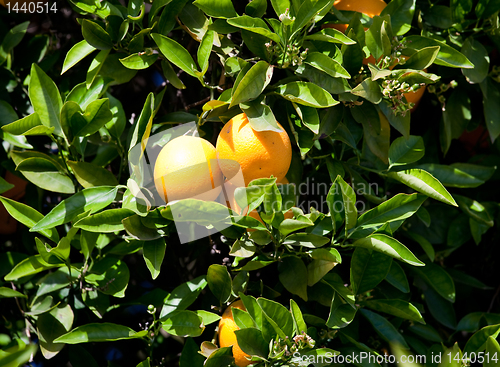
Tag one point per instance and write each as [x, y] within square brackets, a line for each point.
[259, 154]
[187, 168]
[227, 337]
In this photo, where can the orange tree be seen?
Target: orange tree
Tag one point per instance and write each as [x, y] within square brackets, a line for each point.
[391, 253]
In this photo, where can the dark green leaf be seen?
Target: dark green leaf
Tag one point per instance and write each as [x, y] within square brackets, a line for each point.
[154, 252]
[253, 83]
[217, 8]
[293, 275]
[220, 282]
[384, 328]
[95, 35]
[396, 307]
[368, 269]
[176, 54]
[491, 107]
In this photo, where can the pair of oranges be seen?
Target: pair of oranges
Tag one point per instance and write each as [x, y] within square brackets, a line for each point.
[191, 167]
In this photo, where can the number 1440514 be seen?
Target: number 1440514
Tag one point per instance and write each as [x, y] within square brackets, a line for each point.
[31, 7]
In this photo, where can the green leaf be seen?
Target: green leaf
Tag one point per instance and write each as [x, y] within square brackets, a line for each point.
[108, 221]
[260, 116]
[176, 54]
[251, 341]
[326, 64]
[397, 278]
[369, 90]
[384, 328]
[253, 83]
[393, 211]
[256, 8]
[95, 35]
[217, 8]
[19, 356]
[56, 280]
[198, 211]
[423, 58]
[28, 125]
[368, 269]
[27, 216]
[98, 332]
[475, 210]
[401, 12]
[341, 314]
[92, 199]
[396, 307]
[31, 265]
[10, 293]
[290, 225]
[96, 66]
[298, 319]
[493, 351]
[447, 55]
[154, 252]
[323, 261]
[307, 12]
[478, 55]
[439, 279]
[183, 296]
[183, 323]
[399, 122]
[139, 61]
[348, 202]
[110, 275]
[45, 98]
[404, 151]
[309, 117]
[478, 342]
[14, 36]
[205, 50]
[77, 53]
[306, 240]
[52, 325]
[219, 282]
[425, 183]
[459, 174]
[491, 107]
[389, 246]
[190, 356]
[293, 276]
[171, 75]
[254, 25]
[279, 319]
[307, 94]
[90, 175]
[331, 35]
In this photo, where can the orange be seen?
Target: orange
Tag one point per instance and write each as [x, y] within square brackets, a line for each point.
[227, 337]
[187, 168]
[254, 154]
